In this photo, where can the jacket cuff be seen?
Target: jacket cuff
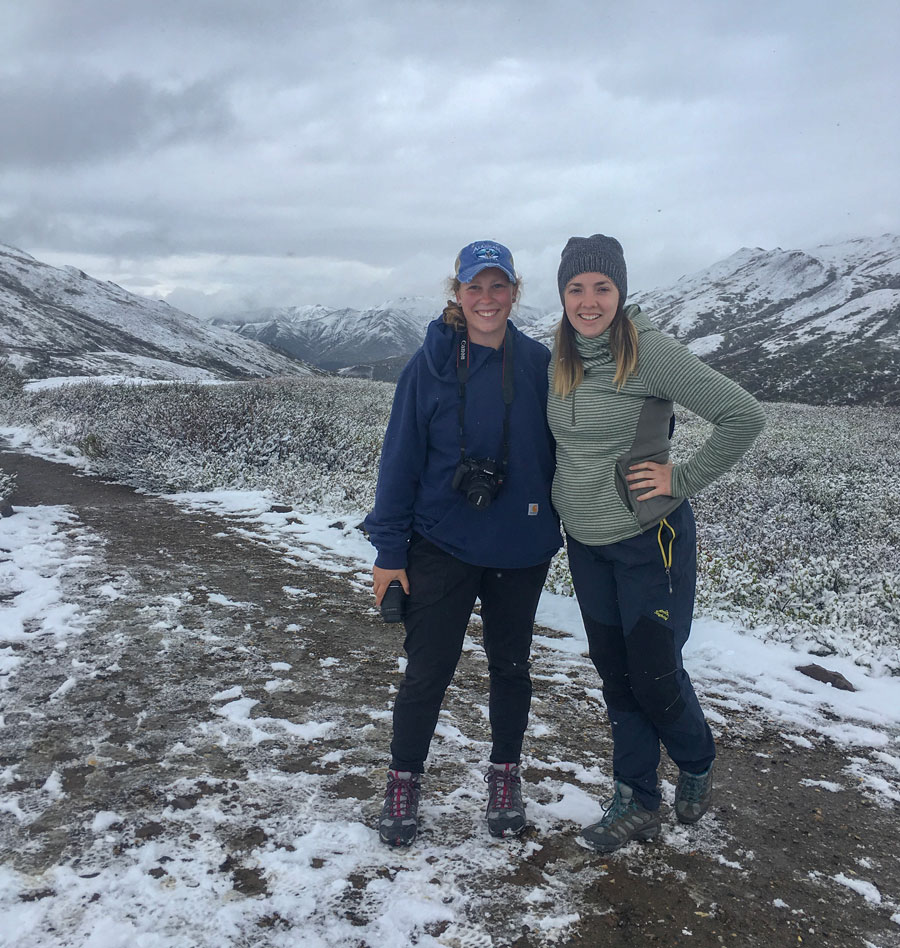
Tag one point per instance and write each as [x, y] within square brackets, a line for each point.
[679, 488]
[391, 559]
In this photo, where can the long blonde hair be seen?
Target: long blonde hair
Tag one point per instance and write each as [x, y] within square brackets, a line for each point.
[568, 371]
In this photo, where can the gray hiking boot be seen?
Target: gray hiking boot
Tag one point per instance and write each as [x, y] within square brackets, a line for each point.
[693, 795]
[399, 814]
[624, 820]
[505, 809]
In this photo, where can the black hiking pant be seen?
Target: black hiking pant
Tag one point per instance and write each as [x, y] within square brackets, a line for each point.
[443, 590]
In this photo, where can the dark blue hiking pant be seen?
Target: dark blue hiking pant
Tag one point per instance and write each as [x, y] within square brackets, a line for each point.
[638, 617]
[442, 593]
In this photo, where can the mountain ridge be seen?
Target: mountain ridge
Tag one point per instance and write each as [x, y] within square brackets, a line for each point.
[819, 326]
[338, 339]
[62, 322]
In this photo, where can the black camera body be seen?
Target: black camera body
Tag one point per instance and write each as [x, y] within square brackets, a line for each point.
[393, 603]
[479, 479]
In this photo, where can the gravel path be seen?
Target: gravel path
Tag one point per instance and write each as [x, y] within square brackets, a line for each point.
[177, 744]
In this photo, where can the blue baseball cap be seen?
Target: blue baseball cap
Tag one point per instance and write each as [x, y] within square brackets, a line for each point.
[482, 255]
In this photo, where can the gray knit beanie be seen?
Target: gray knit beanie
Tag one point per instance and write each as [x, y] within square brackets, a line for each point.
[596, 254]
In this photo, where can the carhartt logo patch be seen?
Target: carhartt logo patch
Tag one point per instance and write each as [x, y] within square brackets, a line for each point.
[662, 614]
[533, 510]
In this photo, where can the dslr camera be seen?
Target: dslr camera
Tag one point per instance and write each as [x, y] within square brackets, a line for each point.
[479, 479]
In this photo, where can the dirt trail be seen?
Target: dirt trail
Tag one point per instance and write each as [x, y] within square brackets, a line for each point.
[127, 734]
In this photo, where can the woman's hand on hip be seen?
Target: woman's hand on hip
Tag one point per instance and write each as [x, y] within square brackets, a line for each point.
[655, 478]
[382, 578]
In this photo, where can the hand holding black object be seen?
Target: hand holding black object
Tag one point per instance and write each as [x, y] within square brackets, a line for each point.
[393, 603]
[382, 578]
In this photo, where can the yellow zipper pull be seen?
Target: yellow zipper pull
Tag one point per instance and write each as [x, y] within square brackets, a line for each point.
[666, 554]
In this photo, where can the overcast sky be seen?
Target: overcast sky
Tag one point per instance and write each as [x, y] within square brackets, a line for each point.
[227, 155]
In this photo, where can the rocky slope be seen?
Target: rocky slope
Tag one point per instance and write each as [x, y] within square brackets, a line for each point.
[371, 343]
[61, 322]
[818, 326]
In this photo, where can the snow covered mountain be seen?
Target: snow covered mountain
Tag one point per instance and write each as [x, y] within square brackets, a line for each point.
[376, 342]
[333, 339]
[61, 322]
[818, 326]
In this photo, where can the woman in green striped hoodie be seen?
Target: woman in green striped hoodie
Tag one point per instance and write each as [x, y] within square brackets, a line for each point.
[630, 532]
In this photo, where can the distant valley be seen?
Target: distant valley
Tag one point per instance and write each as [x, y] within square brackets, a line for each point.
[370, 343]
[820, 326]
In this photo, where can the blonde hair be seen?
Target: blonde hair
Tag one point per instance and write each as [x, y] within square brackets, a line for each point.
[568, 370]
[453, 314]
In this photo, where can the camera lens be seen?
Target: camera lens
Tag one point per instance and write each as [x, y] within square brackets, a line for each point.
[480, 496]
[479, 480]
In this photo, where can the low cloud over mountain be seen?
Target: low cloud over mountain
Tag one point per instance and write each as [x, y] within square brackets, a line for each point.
[818, 326]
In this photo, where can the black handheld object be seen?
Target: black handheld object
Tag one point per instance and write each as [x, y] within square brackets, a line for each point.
[393, 603]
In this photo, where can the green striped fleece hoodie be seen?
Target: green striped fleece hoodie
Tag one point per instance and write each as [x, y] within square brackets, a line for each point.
[600, 432]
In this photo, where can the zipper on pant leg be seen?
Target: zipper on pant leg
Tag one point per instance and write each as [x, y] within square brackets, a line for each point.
[666, 552]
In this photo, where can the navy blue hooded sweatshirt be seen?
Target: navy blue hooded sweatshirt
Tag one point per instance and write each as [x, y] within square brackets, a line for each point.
[421, 452]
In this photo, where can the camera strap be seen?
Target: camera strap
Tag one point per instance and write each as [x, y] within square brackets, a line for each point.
[463, 347]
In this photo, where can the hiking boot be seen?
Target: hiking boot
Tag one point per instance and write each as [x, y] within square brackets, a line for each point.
[624, 819]
[399, 814]
[693, 795]
[505, 809]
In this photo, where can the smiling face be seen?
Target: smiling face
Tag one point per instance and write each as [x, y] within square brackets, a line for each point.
[486, 303]
[591, 301]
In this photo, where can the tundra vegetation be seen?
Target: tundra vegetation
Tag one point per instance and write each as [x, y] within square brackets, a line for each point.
[797, 543]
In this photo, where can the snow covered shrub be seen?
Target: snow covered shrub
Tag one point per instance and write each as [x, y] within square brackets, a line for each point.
[91, 446]
[11, 391]
[798, 542]
[7, 485]
[312, 441]
[559, 579]
[11, 382]
[801, 537]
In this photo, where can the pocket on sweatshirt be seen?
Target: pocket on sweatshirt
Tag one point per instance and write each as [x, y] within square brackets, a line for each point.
[647, 512]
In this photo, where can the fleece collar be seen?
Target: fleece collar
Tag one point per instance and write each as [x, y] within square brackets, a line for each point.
[596, 351]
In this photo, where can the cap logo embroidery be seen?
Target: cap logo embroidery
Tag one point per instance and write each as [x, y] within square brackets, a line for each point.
[486, 253]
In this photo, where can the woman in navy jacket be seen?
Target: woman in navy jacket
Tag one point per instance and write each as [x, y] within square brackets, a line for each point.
[462, 511]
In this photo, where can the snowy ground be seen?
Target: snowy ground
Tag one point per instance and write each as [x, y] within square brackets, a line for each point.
[717, 652]
[245, 815]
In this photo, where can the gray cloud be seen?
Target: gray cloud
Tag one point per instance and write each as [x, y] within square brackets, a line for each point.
[66, 119]
[222, 151]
